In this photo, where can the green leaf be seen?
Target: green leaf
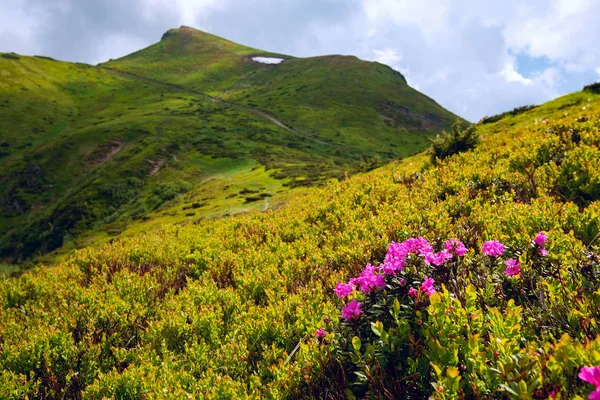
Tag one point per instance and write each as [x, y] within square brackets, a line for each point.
[438, 370]
[396, 309]
[377, 328]
[509, 390]
[361, 375]
[356, 344]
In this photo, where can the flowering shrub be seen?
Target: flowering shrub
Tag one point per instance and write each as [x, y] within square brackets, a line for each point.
[455, 324]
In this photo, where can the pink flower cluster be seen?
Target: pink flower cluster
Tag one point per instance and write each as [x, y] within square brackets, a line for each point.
[426, 287]
[397, 253]
[320, 333]
[373, 278]
[369, 279]
[591, 375]
[455, 247]
[513, 267]
[352, 310]
[540, 240]
[492, 248]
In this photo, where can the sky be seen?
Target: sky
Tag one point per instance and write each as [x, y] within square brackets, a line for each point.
[474, 57]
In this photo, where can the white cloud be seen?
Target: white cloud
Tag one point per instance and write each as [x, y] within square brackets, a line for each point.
[550, 77]
[598, 71]
[17, 28]
[564, 31]
[386, 56]
[511, 75]
[429, 16]
[189, 12]
[467, 54]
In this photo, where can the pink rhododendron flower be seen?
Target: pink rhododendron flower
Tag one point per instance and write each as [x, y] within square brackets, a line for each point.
[513, 267]
[543, 252]
[591, 375]
[454, 246]
[540, 239]
[493, 248]
[393, 263]
[419, 246]
[438, 259]
[343, 290]
[320, 333]
[369, 279]
[352, 310]
[412, 292]
[427, 286]
[398, 250]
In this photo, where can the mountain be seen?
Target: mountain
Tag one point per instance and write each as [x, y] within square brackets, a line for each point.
[230, 308]
[187, 129]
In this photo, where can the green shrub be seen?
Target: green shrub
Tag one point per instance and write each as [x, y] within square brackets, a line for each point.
[10, 56]
[457, 141]
[514, 112]
[593, 88]
[168, 191]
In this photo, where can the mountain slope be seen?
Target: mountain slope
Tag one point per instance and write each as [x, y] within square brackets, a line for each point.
[189, 128]
[336, 98]
[229, 308]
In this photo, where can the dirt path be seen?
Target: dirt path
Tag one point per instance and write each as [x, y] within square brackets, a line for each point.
[156, 166]
[113, 152]
[178, 88]
[112, 148]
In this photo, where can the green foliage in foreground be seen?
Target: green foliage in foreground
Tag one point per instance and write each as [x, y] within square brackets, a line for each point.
[180, 131]
[229, 308]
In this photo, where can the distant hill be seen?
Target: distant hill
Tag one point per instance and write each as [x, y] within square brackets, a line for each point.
[186, 129]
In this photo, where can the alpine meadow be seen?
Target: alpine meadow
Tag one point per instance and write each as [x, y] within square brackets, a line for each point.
[201, 219]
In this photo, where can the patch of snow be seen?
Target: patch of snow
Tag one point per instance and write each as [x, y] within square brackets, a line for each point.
[267, 60]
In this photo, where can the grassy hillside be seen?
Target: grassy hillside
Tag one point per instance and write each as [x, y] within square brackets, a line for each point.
[187, 129]
[229, 308]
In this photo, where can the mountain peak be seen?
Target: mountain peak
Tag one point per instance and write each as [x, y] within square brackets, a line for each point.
[183, 30]
[186, 33]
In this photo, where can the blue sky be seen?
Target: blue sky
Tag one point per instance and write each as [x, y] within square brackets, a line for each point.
[474, 57]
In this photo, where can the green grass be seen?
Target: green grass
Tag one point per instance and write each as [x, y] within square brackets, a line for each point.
[89, 153]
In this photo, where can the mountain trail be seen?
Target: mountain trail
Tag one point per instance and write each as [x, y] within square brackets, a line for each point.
[110, 150]
[156, 165]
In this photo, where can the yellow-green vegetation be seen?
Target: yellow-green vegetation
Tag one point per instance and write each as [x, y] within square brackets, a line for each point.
[88, 153]
[229, 308]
